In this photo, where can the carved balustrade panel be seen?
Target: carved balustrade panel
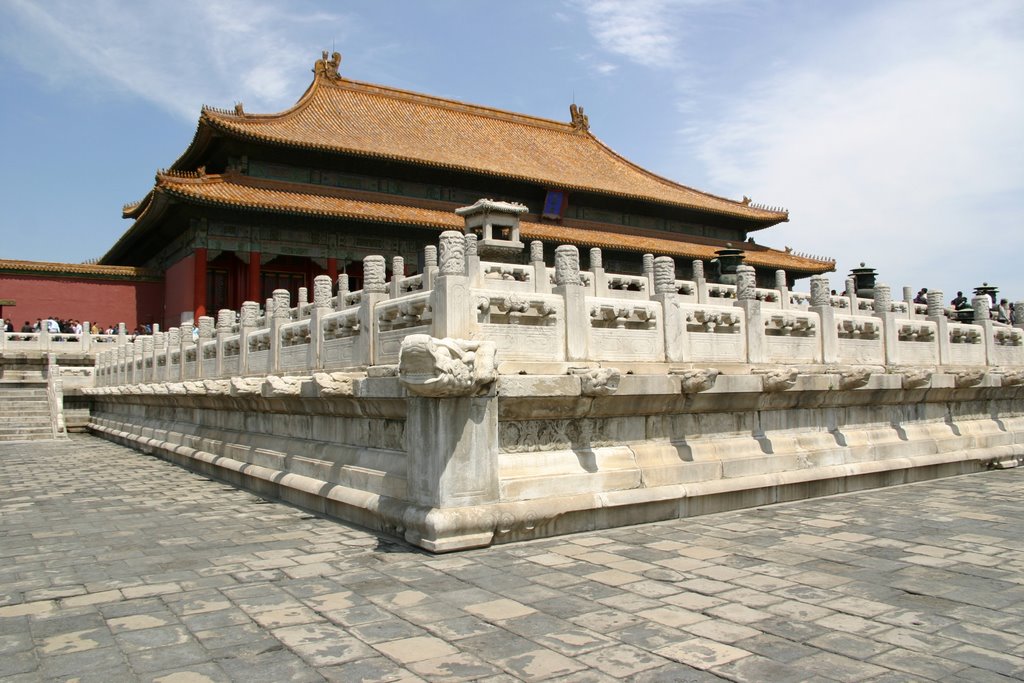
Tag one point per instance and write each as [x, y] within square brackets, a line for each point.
[719, 291]
[917, 343]
[769, 298]
[622, 329]
[792, 337]
[295, 341]
[340, 332]
[525, 327]
[860, 340]
[714, 334]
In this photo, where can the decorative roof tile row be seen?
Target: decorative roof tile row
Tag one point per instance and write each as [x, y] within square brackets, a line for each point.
[341, 115]
[77, 269]
[235, 192]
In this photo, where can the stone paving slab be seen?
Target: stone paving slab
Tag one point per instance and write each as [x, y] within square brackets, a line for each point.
[116, 566]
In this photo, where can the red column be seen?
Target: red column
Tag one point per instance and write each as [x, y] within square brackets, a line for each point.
[332, 269]
[254, 276]
[199, 285]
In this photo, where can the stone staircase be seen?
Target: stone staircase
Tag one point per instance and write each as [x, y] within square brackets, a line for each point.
[25, 412]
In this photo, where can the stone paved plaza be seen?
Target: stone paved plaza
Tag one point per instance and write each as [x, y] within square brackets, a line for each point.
[117, 566]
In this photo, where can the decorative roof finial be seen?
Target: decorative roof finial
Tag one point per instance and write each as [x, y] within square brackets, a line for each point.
[580, 121]
[746, 200]
[239, 109]
[328, 67]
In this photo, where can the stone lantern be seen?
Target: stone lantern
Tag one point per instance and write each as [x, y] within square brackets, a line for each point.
[496, 225]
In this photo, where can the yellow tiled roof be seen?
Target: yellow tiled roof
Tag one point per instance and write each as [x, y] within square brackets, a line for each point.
[242, 192]
[78, 269]
[341, 115]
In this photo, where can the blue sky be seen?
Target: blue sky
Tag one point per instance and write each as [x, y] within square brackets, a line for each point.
[893, 131]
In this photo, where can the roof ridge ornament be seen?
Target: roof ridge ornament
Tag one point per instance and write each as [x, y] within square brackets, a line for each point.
[328, 67]
[580, 121]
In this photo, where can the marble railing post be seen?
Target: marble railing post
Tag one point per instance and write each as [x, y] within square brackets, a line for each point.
[882, 308]
[247, 317]
[851, 294]
[908, 299]
[649, 272]
[133, 352]
[206, 328]
[173, 342]
[472, 260]
[185, 341]
[700, 282]
[453, 308]
[146, 356]
[397, 273]
[303, 300]
[746, 298]
[121, 367]
[375, 290]
[225, 321]
[937, 314]
[99, 368]
[122, 334]
[339, 302]
[540, 270]
[85, 340]
[598, 271]
[159, 351]
[279, 315]
[429, 266]
[569, 286]
[982, 306]
[821, 303]
[783, 287]
[321, 307]
[665, 292]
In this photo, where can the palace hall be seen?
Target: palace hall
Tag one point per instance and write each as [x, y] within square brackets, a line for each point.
[259, 202]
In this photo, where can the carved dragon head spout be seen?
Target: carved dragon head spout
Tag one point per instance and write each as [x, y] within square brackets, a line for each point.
[446, 367]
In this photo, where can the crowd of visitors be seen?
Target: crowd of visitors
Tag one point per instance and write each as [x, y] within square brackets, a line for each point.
[72, 326]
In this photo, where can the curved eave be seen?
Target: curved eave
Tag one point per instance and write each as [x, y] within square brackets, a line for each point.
[765, 221]
[439, 220]
[153, 210]
[196, 151]
[229, 123]
[136, 209]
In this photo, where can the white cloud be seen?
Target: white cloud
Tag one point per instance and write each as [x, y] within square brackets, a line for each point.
[178, 56]
[910, 158]
[635, 29]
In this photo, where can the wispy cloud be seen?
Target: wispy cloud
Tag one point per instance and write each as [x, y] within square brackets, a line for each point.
[906, 152]
[176, 55]
[635, 29]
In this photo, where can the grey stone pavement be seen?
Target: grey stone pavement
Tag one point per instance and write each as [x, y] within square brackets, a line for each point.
[116, 566]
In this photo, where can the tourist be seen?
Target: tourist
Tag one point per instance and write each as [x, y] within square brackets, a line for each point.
[922, 296]
[1003, 311]
[959, 302]
[8, 326]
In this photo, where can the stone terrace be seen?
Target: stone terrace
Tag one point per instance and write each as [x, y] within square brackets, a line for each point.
[119, 566]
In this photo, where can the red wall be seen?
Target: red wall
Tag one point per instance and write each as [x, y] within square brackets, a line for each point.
[106, 302]
[178, 292]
